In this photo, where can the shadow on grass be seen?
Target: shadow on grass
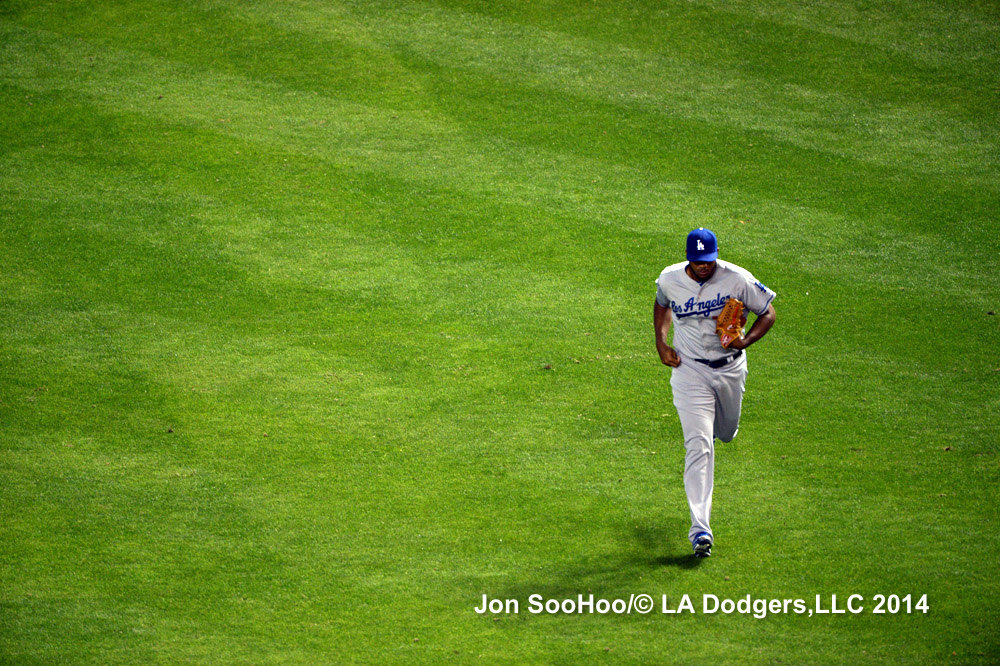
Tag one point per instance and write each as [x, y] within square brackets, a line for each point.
[688, 561]
[648, 559]
[653, 539]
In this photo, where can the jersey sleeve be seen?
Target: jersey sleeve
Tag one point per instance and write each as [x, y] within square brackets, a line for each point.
[756, 296]
[661, 296]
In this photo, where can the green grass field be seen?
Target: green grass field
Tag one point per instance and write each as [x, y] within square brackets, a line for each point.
[321, 320]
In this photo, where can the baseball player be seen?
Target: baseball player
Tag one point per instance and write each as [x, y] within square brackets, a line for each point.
[707, 379]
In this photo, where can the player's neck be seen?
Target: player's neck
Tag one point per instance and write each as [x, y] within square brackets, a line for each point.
[690, 274]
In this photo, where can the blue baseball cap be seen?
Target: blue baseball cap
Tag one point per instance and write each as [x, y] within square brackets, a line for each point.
[702, 245]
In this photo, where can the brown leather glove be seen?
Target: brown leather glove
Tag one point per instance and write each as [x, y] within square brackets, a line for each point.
[730, 322]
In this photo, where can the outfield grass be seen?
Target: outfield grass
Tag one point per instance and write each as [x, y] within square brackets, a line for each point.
[321, 320]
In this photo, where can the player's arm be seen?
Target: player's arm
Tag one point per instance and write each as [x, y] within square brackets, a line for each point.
[662, 319]
[760, 327]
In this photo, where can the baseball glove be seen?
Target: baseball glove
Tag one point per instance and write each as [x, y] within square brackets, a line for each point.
[729, 324]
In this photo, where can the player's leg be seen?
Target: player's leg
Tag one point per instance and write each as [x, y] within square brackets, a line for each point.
[695, 401]
[729, 384]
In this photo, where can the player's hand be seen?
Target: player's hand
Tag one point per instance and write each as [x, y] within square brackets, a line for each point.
[670, 357]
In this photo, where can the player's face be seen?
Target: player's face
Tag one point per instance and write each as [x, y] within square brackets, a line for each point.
[702, 269]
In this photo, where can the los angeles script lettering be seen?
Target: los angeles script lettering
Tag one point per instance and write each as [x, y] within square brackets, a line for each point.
[699, 307]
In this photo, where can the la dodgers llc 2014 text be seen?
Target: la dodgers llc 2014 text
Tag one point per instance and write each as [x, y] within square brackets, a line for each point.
[643, 604]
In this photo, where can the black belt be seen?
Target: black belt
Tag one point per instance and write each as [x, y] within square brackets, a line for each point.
[720, 362]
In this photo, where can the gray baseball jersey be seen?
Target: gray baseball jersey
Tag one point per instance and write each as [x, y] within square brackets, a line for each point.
[696, 305]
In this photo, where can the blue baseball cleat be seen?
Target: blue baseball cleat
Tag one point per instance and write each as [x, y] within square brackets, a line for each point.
[703, 545]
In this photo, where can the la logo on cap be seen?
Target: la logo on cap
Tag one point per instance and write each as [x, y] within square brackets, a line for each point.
[701, 246]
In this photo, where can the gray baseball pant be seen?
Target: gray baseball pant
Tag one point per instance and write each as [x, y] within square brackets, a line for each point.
[708, 402]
